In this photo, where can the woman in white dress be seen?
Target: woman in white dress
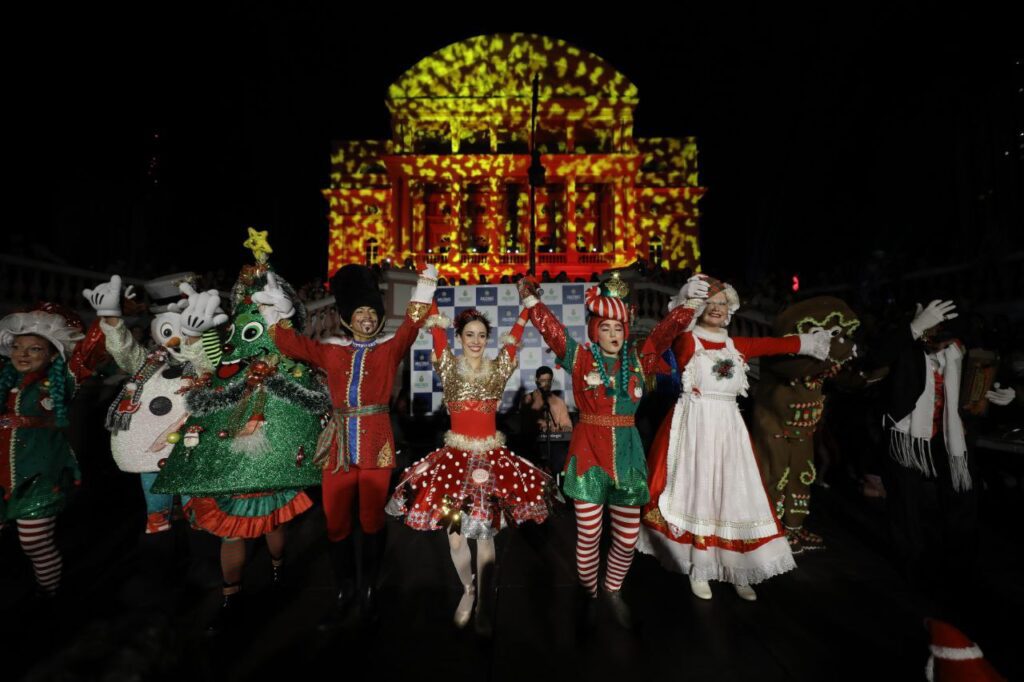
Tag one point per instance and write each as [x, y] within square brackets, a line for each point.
[710, 516]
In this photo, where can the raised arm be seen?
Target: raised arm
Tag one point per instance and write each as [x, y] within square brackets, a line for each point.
[88, 354]
[662, 336]
[420, 307]
[755, 347]
[515, 335]
[122, 346]
[437, 324]
[550, 327]
[277, 309]
[105, 300]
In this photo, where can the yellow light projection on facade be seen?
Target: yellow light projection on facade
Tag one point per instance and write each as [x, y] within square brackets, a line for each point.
[450, 187]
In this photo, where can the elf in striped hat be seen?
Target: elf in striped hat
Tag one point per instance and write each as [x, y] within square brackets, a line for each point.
[606, 465]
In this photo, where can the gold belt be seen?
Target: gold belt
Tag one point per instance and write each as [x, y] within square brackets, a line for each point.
[607, 419]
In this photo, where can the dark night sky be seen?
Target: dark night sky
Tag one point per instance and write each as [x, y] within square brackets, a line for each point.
[816, 132]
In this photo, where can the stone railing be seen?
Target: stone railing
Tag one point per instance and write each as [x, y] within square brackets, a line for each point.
[323, 318]
[24, 281]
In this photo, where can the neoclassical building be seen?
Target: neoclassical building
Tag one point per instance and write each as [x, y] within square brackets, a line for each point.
[450, 187]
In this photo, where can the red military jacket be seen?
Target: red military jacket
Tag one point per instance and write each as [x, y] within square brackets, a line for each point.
[360, 376]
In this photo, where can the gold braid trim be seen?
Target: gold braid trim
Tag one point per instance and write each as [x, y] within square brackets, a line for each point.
[416, 310]
[466, 443]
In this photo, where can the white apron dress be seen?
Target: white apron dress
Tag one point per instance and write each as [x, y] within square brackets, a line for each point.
[720, 522]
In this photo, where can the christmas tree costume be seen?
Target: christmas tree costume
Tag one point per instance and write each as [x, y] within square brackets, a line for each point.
[145, 418]
[357, 449]
[245, 451]
[473, 486]
[789, 404]
[709, 515]
[606, 464]
[47, 358]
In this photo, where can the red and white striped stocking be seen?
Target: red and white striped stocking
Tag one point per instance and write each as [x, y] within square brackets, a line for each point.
[625, 531]
[588, 540]
[36, 537]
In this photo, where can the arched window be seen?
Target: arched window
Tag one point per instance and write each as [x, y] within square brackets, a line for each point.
[371, 249]
[655, 249]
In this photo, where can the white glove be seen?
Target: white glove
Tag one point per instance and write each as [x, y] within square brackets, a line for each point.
[273, 301]
[203, 311]
[105, 299]
[694, 293]
[695, 287]
[424, 291]
[179, 305]
[925, 318]
[1000, 396]
[817, 344]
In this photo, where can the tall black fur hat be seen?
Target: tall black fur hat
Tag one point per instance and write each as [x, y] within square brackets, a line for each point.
[355, 286]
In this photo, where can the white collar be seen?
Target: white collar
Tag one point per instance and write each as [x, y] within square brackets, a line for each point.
[718, 336]
[347, 341]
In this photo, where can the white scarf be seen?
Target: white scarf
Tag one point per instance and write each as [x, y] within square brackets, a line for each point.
[910, 438]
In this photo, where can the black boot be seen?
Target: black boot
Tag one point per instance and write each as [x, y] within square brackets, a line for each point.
[343, 561]
[373, 554]
[228, 613]
[618, 607]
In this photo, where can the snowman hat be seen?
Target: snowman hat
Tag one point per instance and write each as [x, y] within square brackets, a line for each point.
[164, 291]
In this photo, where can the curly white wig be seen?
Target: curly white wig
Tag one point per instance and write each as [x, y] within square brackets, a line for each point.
[51, 326]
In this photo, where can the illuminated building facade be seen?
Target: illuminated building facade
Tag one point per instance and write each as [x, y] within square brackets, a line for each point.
[450, 187]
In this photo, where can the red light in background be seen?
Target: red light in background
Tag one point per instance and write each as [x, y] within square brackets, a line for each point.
[796, 283]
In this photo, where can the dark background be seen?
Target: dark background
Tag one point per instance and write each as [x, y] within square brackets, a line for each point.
[145, 141]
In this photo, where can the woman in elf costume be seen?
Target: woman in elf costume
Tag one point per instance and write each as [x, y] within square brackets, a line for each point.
[709, 515]
[48, 356]
[606, 464]
[246, 451]
[473, 486]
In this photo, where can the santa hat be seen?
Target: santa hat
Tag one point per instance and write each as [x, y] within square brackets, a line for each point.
[954, 658]
[354, 286]
[607, 302]
[59, 325]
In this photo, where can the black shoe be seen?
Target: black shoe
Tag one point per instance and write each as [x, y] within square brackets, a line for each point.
[368, 611]
[373, 553]
[227, 614]
[277, 575]
[339, 611]
[586, 610]
[343, 561]
[618, 607]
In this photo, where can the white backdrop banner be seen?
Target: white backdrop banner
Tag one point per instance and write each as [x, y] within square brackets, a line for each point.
[500, 303]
